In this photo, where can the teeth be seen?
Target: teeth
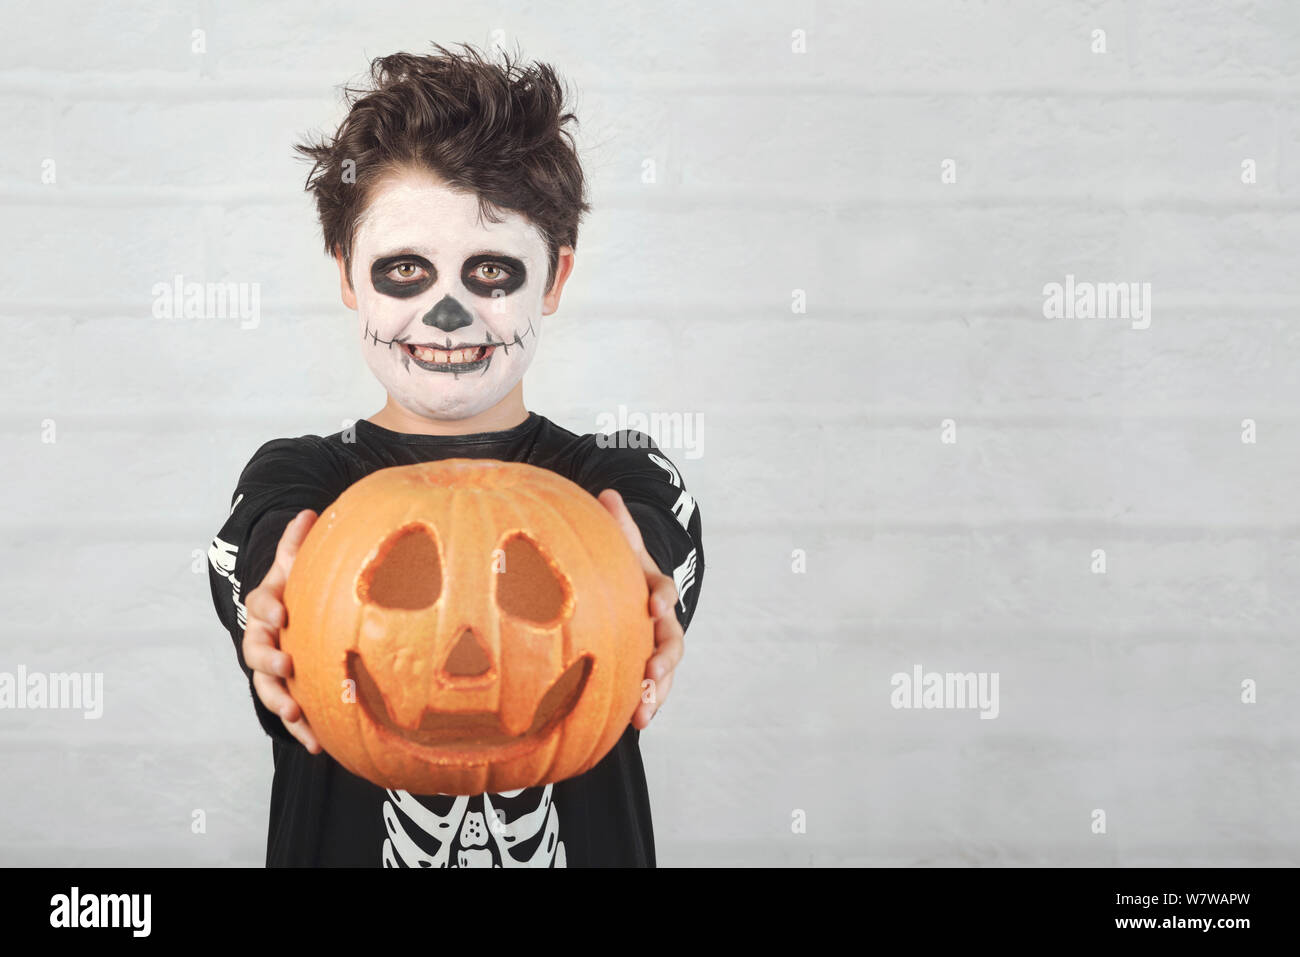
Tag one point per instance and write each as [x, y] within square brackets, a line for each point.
[445, 356]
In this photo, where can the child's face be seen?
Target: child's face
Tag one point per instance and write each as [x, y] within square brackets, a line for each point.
[450, 308]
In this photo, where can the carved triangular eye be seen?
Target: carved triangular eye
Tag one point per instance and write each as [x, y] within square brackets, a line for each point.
[405, 573]
[528, 586]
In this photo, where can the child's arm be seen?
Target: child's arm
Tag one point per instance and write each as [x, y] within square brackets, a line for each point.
[662, 523]
[260, 648]
[283, 478]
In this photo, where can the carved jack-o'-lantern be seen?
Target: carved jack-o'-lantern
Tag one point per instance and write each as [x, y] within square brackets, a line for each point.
[466, 626]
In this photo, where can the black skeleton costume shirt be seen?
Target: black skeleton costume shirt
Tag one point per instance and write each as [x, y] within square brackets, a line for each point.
[323, 815]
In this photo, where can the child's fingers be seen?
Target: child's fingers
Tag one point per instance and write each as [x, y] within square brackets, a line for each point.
[274, 693]
[263, 606]
[290, 541]
[646, 710]
[301, 730]
[667, 654]
[614, 504]
[261, 655]
[663, 595]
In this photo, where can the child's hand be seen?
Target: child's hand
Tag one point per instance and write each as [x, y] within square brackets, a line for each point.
[261, 646]
[669, 646]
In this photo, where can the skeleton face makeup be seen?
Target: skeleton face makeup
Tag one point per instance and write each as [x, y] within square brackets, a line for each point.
[450, 307]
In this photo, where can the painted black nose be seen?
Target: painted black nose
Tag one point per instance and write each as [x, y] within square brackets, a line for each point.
[448, 315]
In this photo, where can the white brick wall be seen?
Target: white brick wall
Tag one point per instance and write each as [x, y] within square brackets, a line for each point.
[775, 171]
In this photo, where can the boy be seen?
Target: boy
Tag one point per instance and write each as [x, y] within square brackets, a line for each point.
[450, 199]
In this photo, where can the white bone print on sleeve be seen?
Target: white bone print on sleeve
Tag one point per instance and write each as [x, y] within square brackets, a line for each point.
[683, 508]
[684, 578]
[221, 555]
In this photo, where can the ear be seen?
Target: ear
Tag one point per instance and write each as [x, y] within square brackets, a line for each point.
[563, 266]
[345, 283]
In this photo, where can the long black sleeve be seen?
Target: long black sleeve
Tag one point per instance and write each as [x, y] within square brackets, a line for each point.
[665, 512]
[283, 477]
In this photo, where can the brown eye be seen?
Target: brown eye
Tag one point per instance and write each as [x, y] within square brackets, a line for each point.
[405, 271]
[486, 276]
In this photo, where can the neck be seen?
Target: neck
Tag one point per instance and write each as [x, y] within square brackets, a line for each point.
[506, 414]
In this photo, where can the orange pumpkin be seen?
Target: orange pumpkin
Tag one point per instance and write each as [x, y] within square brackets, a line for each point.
[466, 626]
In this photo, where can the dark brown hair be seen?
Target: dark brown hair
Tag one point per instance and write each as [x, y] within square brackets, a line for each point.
[495, 130]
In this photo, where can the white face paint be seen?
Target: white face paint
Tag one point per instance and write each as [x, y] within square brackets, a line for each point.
[450, 308]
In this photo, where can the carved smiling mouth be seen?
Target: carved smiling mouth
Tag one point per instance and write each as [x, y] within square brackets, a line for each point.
[473, 729]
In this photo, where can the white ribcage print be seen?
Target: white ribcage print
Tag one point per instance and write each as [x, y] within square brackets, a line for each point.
[465, 828]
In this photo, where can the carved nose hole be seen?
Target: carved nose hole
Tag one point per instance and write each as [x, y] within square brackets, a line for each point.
[467, 658]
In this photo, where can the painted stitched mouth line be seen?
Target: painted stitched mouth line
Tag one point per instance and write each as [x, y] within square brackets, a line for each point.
[448, 345]
[459, 360]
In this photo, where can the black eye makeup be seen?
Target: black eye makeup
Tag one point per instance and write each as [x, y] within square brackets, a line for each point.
[405, 275]
[485, 274]
[402, 276]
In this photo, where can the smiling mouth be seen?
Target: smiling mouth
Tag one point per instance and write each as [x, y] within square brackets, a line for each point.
[473, 729]
[459, 361]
